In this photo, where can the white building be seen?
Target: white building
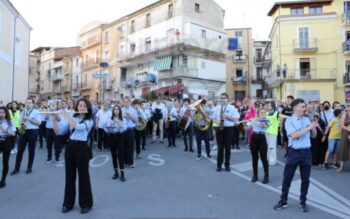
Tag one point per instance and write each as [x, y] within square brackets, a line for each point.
[14, 54]
[174, 46]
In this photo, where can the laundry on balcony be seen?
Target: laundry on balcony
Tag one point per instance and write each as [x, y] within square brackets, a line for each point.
[163, 63]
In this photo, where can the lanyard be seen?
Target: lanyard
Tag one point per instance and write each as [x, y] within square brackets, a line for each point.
[29, 112]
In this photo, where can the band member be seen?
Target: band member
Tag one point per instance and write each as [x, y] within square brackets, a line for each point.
[287, 112]
[272, 132]
[258, 145]
[102, 117]
[225, 115]
[170, 125]
[149, 127]
[298, 129]
[51, 138]
[42, 127]
[116, 127]
[188, 132]
[130, 116]
[236, 128]
[7, 132]
[30, 121]
[140, 130]
[77, 156]
[158, 108]
[61, 129]
[202, 135]
[63, 105]
[15, 116]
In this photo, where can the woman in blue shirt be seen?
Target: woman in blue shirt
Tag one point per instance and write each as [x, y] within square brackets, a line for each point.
[258, 145]
[77, 155]
[115, 128]
[7, 131]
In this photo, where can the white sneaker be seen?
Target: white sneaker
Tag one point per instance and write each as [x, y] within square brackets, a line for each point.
[13, 151]
[198, 158]
[215, 147]
[48, 161]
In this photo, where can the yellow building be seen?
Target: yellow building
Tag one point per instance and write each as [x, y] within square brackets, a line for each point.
[308, 54]
[239, 64]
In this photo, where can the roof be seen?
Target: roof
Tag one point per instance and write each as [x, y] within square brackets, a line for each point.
[297, 2]
[39, 49]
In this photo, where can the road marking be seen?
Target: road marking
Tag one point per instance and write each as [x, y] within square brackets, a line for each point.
[244, 166]
[104, 158]
[155, 160]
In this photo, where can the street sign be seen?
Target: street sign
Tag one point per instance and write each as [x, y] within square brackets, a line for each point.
[98, 75]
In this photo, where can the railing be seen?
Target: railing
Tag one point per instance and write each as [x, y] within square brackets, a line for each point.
[91, 63]
[65, 88]
[305, 44]
[58, 64]
[259, 59]
[56, 77]
[239, 80]
[241, 58]
[185, 71]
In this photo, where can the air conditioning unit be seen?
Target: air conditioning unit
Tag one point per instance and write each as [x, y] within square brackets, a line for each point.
[116, 89]
[137, 83]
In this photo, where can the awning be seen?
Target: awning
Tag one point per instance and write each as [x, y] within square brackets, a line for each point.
[162, 90]
[170, 89]
[162, 64]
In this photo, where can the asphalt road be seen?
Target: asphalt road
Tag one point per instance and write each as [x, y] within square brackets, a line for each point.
[171, 183]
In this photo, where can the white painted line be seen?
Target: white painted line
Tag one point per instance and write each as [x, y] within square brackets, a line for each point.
[245, 166]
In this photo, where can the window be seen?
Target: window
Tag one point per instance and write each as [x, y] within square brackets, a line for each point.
[304, 38]
[203, 64]
[77, 62]
[184, 61]
[297, 11]
[106, 56]
[315, 10]
[148, 20]
[204, 34]
[238, 34]
[170, 11]
[197, 7]
[304, 66]
[239, 53]
[239, 72]
[132, 28]
[97, 56]
[106, 37]
[132, 48]
[148, 44]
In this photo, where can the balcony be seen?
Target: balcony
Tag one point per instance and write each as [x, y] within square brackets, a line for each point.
[302, 75]
[56, 77]
[91, 41]
[239, 59]
[179, 72]
[259, 59]
[346, 47]
[85, 86]
[239, 80]
[58, 65]
[346, 79]
[65, 88]
[90, 64]
[305, 45]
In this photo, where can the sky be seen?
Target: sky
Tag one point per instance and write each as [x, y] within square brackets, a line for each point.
[57, 23]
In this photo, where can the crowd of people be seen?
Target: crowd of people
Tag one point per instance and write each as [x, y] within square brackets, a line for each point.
[311, 133]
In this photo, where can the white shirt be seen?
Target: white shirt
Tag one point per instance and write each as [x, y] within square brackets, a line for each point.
[160, 106]
[229, 110]
[173, 114]
[7, 129]
[103, 118]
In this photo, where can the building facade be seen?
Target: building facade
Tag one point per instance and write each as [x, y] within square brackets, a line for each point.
[309, 49]
[34, 77]
[261, 65]
[14, 53]
[239, 64]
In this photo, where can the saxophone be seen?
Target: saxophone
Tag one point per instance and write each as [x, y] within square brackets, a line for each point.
[22, 128]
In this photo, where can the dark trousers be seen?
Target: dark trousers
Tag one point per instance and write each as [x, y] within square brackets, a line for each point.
[56, 140]
[188, 133]
[171, 133]
[140, 140]
[224, 140]
[5, 149]
[117, 147]
[235, 142]
[202, 136]
[102, 139]
[42, 133]
[77, 158]
[258, 146]
[29, 137]
[129, 141]
[295, 158]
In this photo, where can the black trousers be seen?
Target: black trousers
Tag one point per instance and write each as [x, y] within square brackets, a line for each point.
[258, 146]
[202, 136]
[42, 132]
[56, 140]
[171, 133]
[129, 141]
[77, 158]
[117, 147]
[295, 158]
[224, 140]
[102, 139]
[29, 137]
[188, 133]
[235, 143]
[5, 149]
[140, 140]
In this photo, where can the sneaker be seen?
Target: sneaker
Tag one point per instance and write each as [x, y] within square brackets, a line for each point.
[265, 180]
[254, 178]
[199, 158]
[2, 184]
[208, 156]
[337, 165]
[280, 205]
[161, 141]
[13, 151]
[138, 156]
[48, 161]
[326, 166]
[132, 166]
[303, 207]
[228, 168]
[215, 147]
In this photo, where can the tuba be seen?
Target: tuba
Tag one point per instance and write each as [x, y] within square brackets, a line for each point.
[142, 123]
[201, 115]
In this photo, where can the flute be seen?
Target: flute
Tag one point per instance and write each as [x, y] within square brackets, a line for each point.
[58, 112]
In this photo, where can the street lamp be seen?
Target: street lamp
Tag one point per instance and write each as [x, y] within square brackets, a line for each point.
[103, 65]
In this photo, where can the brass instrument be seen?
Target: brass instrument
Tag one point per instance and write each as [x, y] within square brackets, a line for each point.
[201, 115]
[142, 123]
[22, 128]
[167, 122]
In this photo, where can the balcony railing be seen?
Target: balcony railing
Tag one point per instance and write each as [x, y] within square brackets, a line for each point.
[92, 63]
[56, 77]
[305, 45]
[65, 88]
[239, 80]
[274, 80]
[241, 58]
[185, 71]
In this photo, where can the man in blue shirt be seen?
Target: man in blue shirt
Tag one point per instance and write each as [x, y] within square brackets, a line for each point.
[299, 129]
